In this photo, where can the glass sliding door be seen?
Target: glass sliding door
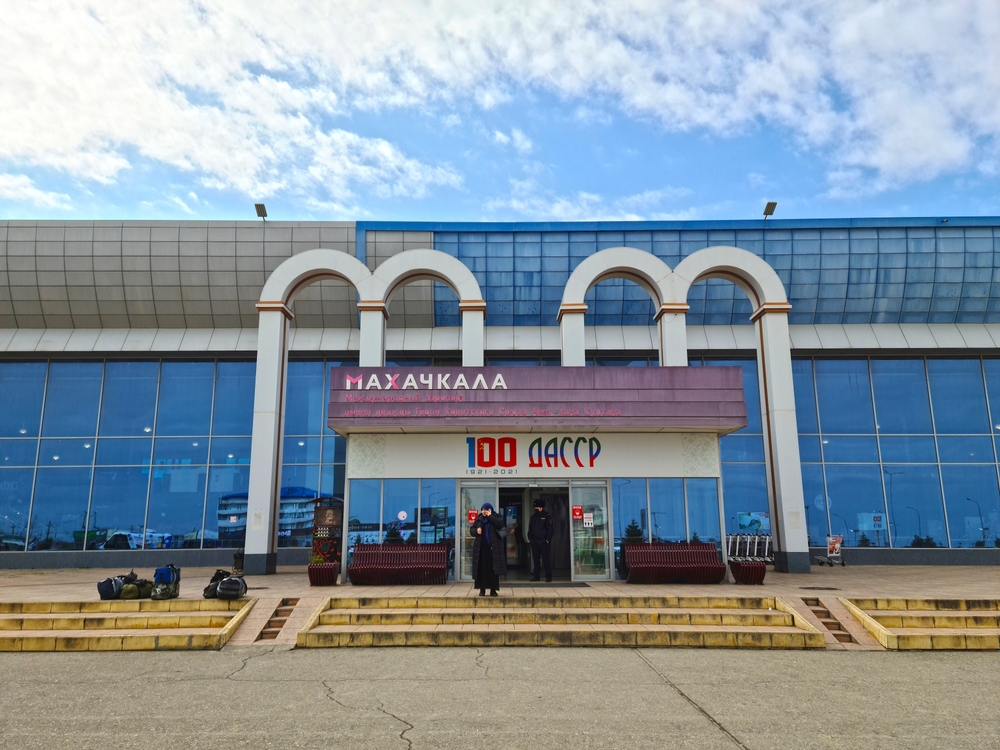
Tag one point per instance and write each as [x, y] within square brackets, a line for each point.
[473, 497]
[590, 525]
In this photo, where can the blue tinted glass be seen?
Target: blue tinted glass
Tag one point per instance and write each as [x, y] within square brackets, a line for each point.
[17, 453]
[809, 448]
[305, 402]
[744, 490]
[901, 396]
[916, 516]
[334, 450]
[966, 450]
[849, 449]
[128, 404]
[185, 405]
[844, 395]
[226, 512]
[437, 511]
[118, 508]
[805, 396]
[666, 510]
[176, 507]
[629, 501]
[301, 450]
[230, 451]
[15, 503]
[857, 505]
[971, 497]
[703, 509]
[234, 390]
[124, 451]
[21, 387]
[991, 367]
[908, 450]
[71, 399]
[742, 448]
[364, 513]
[59, 510]
[958, 395]
[299, 487]
[332, 480]
[399, 511]
[180, 451]
[72, 452]
[750, 390]
[815, 501]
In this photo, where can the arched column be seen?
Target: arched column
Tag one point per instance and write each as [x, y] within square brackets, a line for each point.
[777, 399]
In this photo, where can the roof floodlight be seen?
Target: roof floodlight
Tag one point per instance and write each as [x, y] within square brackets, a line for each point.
[769, 209]
[261, 211]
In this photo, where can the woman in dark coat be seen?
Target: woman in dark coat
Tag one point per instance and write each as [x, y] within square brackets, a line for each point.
[489, 551]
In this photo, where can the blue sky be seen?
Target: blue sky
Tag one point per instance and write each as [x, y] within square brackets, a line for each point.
[500, 110]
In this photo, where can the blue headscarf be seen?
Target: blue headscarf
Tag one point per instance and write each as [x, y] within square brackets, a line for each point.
[486, 527]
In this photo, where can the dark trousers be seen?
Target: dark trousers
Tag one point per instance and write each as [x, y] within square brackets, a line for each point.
[542, 551]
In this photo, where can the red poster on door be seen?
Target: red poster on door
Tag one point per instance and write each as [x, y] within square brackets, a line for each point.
[472, 516]
[577, 512]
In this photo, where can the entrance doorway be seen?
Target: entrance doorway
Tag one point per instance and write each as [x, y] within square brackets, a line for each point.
[517, 507]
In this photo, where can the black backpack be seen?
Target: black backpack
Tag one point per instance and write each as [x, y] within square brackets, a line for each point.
[110, 588]
[211, 590]
[231, 588]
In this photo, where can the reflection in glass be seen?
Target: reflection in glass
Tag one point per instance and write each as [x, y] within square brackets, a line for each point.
[857, 505]
[703, 509]
[71, 452]
[226, 512]
[844, 396]
[843, 449]
[590, 533]
[118, 508]
[908, 450]
[15, 502]
[71, 399]
[18, 453]
[900, 388]
[299, 490]
[916, 516]
[972, 500]
[958, 395]
[305, 401]
[742, 448]
[966, 449]
[180, 450]
[332, 480]
[399, 511]
[744, 490]
[666, 510]
[229, 450]
[59, 510]
[234, 388]
[437, 511]
[176, 507]
[805, 397]
[991, 367]
[628, 498]
[809, 449]
[363, 523]
[815, 502]
[473, 497]
[124, 451]
[750, 390]
[21, 388]
[334, 450]
[128, 404]
[185, 404]
[301, 450]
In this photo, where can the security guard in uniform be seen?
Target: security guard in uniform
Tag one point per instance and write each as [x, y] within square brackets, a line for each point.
[540, 536]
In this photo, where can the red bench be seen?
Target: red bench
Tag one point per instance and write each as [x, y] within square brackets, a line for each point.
[748, 572]
[666, 562]
[398, 564]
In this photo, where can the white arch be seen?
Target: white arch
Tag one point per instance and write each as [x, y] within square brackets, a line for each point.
[303, 269]
[418, 265]
[749, 272]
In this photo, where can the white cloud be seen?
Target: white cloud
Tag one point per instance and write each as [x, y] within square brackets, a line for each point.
[239, 94]
[20, 188]
[501, 138]
[528, 199]
[521, 143]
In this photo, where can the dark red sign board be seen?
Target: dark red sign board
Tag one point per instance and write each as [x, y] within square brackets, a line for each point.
[577, 512]
[471, 516]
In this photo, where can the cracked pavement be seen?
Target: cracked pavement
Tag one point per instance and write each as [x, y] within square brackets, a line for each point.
[275, 697]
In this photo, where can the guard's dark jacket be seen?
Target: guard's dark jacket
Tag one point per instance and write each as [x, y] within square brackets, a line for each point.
[491, 525]
[540, 527]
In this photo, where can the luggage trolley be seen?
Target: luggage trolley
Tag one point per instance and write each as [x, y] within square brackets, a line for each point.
[833, 545]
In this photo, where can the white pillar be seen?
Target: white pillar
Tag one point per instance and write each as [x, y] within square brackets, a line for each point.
[268, 428]
[573, 340]
[473, 336]
[373, 316]
[672, 320]
[781, 438]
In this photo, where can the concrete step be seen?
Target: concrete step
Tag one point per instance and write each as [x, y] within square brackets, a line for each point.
[964, 619]
[151, 639]
[121, 606]
[110, 621]
[558, 602]
[930, 624]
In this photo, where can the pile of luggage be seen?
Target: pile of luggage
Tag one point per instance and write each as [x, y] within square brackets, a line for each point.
[166, 584]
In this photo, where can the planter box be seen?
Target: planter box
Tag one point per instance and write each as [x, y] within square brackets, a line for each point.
[324, 574]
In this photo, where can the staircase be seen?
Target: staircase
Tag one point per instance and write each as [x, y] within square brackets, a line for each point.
[930, 624]
[706, 622]
[830, 622]
[277, 620]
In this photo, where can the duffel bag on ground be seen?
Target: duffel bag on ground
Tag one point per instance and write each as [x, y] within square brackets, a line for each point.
[212, 589]
[231, 588]
[141, 589]
[110, 588]
[167, 582]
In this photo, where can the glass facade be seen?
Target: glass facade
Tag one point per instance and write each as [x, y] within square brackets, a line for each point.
[152, 454]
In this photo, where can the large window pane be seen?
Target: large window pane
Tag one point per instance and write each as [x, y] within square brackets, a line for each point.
[742, 448]
[850, 449]
[399, 511]
[631, 525]
[234, 390]
[857, 505]
[299, 488]
[18, 453]
[124, 451]
[334, 450]
[666, 510]
[958, 395]
[128, 405]
[744, 492]
[226, 512]
[844, 396]
[230, 451]
[301, 450]
[906, 450]
[185, 404]
[916, 515]
[73, 452]
[59, 510]
[305, 402]
[750, 390]
[972, 499]
[703, 509]
[332, 480]
[900, 388]
[473, 497]
[71, 399]
[966, 449]
[15, 502]
[437, 511]
[364, 513]
[991, 367]
[805, 396]
[180, 451]
[21, 387]
[176, 507]
[118, 508]
[815, 502]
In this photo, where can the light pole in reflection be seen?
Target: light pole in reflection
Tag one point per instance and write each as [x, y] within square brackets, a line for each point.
[982, 526]
[920, 526]
[843, 521]
[892, 505]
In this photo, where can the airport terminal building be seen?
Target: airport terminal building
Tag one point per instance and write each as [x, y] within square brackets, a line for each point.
[176, 390]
